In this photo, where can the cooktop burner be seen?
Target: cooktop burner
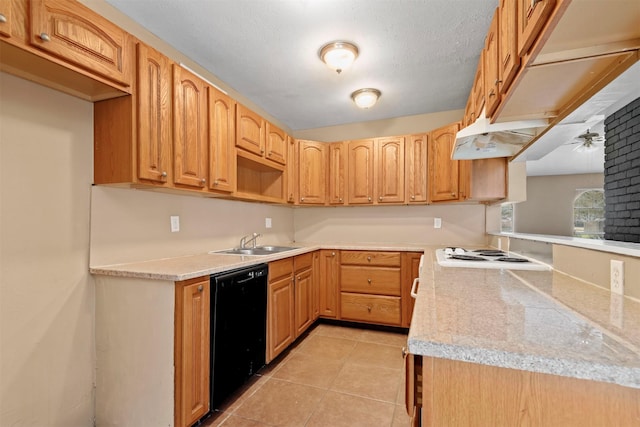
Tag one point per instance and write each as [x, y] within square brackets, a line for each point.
[490, 253]
[467, 257]
[512, 259]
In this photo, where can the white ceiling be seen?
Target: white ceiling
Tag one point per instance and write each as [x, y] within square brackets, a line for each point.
[422, 54]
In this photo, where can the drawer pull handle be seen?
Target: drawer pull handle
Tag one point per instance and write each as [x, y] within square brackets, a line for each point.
[369, 258]
[200, 288]
[369, 308]
[333, 254]
[3, 19]
[45, 37]
[163, 174]
[369, 281]
[414, 287]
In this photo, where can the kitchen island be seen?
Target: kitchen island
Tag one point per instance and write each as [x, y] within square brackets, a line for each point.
[497, 347]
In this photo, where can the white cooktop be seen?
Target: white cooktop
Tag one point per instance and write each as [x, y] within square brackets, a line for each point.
[488, 258]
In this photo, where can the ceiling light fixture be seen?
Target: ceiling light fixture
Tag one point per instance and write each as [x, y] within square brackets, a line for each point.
[338, 55]
[366, 98]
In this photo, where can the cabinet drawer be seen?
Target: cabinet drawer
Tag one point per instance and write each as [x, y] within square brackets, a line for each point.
[280, 268]
[302, 262]
[389, 259]
[370, 280]
[370, 308]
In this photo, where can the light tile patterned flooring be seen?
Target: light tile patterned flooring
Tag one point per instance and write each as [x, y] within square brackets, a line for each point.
[336, 376]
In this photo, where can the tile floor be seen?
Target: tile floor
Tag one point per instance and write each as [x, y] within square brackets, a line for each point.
[336, 376]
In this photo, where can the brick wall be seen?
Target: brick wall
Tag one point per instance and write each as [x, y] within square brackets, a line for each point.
[622, 174]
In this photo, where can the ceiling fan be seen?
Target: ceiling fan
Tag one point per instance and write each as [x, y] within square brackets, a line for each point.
[588, 141]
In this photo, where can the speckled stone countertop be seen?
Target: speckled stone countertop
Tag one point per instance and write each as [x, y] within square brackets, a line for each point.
[190, 266]
[535, 321]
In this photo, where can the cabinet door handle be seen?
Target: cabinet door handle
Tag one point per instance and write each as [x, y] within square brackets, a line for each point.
[369, 198]
[492, 93]
[163, 174]
[200, 288]
[203, 181]
[369, 281]
[413, 197]
[302, 199]
[215, 182]
[380, 198]
[3, 18]
[45, 37]
[453, 194]
[333, 254]
[369, 308]
[369, 258]
[340, 199]
[414, 287]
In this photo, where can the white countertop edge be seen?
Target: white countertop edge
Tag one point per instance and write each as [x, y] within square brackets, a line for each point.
[611, 246]
[586, 370]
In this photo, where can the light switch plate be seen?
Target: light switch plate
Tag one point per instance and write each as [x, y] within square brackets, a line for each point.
[437, 222]
[267, 222]
[175, 224]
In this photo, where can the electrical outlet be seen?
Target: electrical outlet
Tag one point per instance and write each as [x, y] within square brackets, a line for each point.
[267, 222]
[617, 277]
[437, 222]
[175, 224]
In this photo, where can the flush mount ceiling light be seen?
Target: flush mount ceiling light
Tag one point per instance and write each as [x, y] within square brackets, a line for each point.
[366, 98]
[338, 55]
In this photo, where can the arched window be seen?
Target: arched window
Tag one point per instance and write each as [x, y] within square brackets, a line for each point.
[588, 214]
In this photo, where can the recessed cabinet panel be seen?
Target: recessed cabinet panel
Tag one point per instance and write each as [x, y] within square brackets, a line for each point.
[416, 169]
[337, 173]
[532, 15]
[443, 172]
[509, 60]
[478, 88]
[276, 144]
[312, 170]
[189, 129]
[390, 170]
[250, 133]
[491, 74]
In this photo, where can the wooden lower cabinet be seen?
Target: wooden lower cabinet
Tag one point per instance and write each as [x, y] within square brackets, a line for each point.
[328, 283]
[191, 351]
[280, 307]
[370, 308]
[449, 392]
[303, 292]
[410, 272]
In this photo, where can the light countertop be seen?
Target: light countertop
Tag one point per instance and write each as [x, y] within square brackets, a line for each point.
[190, 266]
[540, 321]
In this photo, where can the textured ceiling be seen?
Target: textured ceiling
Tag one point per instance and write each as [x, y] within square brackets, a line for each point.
[422, 54]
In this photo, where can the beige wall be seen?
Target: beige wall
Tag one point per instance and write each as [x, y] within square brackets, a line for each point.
[134, 225]
[461, 224]
[389, 127]
[47, 346]
[549, 205]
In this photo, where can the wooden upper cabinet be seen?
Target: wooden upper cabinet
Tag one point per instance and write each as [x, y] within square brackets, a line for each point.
[477, 91]
[360, 171]
[416, 169]
[487, 179]
[532, 15]
[491, 77]
[469, 111]
[192, 343]
[337, 173]
[250, 130]
[276, 144]
[509, 60]
[312, 172]
[190, 152]
[222, 155]
[443, 172]
[153, 99]
[72, 32]
[5, 18]
[389, 172]
[292, 169]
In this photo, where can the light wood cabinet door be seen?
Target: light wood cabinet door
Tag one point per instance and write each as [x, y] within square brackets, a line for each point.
[509, 60]
[366, 308]
[292, 170]
[276, 144]
[469, 111]
[303, 300]
[72, 32]
[316, 285]
[477, 91]
[416, 169]
[337, 173]
[280, 319]
[222, 155]
[360, 171]
[153, 101]
[410, 271]
[443, 172]
[192, 344]
[5, 18]
[190, 151]
[250, 130]
[312, 172]
[389, 170]
[329, 283]
[532, 15]
[491, 73]
[488, 179]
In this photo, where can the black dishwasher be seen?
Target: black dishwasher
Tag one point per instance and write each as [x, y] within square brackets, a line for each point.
[238, 329]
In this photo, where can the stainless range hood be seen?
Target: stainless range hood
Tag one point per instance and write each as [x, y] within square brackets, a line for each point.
[482, 140]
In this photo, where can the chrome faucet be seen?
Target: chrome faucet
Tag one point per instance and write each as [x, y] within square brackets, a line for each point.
[253, 238]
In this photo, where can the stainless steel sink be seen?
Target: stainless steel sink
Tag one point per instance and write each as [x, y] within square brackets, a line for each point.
[258, 250]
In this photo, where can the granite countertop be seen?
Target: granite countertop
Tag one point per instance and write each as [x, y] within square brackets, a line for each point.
[190, 266]
[539, 321]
